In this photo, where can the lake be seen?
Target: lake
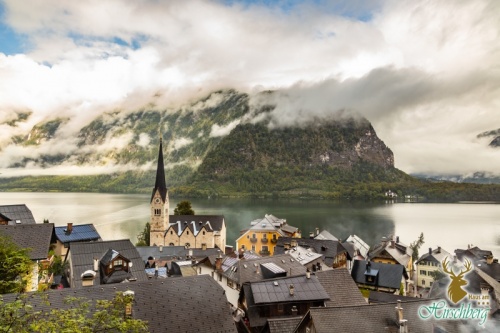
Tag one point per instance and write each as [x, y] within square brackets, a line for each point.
[118, 216]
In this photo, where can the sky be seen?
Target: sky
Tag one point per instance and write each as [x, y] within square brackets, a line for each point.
[426, 73]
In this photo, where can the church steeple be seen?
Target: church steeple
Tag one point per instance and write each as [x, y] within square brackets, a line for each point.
[159, 204]
[160, 184]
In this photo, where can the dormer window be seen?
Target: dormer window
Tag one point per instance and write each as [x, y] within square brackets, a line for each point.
[118, 263]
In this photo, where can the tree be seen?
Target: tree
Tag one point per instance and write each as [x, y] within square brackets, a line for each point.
[143, 236]
[437, 275]
[416, 245]
[78, 315]
[15, 267]
[184, 208]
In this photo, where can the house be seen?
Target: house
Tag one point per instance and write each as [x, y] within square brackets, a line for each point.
[184, 305]
[72, 234]
[324, 235]
[106, 262]
[16, 214]
[399, 317]
[263, 235]
[38, 238]
[198, 231]
[333, 253]
[473, 253]
[360, 246]
[392, 251]
[429, 263]
[232, 273]
[340, 287]
[284, 296]
[379, 276]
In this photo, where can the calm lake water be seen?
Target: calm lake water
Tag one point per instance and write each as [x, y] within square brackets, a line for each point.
[118, 216]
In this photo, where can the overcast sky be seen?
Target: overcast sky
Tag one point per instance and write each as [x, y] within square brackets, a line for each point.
[425, 73]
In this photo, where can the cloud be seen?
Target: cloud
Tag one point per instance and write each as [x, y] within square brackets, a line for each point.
[425, 73]
[223, 130]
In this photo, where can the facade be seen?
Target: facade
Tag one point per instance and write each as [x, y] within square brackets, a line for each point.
[429, 263]
[159, 204]
[198, 231]
[263, 236]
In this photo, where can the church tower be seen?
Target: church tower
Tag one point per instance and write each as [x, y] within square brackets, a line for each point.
[159, 204]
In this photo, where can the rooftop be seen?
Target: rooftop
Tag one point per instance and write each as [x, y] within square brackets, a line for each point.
[79, 233]
[17, 214]
[36, 237]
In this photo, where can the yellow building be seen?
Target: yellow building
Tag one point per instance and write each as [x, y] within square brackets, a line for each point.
[262, 237]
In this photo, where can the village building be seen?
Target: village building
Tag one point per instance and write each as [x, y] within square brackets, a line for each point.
[379, 276]
[16, 214]
[284, 296]
[199, 231]
[392, 251]
[65, 235]
[106, 262]
[428, 264]
[38, 238]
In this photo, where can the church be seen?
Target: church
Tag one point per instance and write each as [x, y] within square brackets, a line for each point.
[190, 231]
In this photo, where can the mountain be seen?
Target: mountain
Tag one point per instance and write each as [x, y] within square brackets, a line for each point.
[220, 145]
[493, 135]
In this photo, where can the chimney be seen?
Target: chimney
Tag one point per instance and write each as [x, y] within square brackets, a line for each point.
[294, 310]
[190, 253]
[489, 259]
[430, 250]
[96, 264]
[392, 243]
[69, 228]
[286, 246]
[291, 288]
[439, 249]
[403, 328]
[129, 294]
[311, 234]
[397, 239]
[308, 274]
[317, 231]
[156, 271]
[293, 243]
[218, 262]
[193, 261]
[160, 248]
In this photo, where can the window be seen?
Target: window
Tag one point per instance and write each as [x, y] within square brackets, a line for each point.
[243, 246]
[280, 307]
[118, 262]
[265, 248]
[264, 236]
[220, 277]
[274, 236]
[157, 212]
[254, 236]
[422, 272]
[253, 248]
[187, 232]
[203, 232]
[171, 244]
[229, 283]
[187, 245]
[171, 232]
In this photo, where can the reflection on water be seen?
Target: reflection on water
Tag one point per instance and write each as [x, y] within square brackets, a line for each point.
[119, 216]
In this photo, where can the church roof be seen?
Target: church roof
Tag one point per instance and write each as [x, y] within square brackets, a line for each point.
[160, 184]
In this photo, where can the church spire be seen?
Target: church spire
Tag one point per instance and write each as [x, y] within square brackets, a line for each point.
[160, 184]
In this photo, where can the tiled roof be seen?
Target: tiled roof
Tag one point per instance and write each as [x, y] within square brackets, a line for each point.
[359, 244]
[375, 318]
[473, 253]
[37, 237]
[282, 325]
[83, 254]
[211, 223]
[79, 233]
[181, 305]
[436, 255]
[341, 288]
[381, 297]
[389, 275]
[18, 214]
[392, 249]
[248, 270]
[278, 290]
[329, 249]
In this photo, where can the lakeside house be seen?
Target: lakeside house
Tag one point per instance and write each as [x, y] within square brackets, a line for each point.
[428, 264]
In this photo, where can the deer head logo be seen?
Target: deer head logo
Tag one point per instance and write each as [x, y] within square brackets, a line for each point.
[455, 291]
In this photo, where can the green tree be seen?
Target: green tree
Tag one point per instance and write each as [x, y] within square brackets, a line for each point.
[184, 208]
[416, 245]
[437, 275]
[79, 316]
[143, 236]
[15, 267]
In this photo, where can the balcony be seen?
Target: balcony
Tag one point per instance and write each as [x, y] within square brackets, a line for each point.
[253, 240]
[264, 253]
[274, 240]
[264, 240]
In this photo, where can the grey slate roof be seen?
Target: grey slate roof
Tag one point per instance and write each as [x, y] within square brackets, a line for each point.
[277, 290]
[83, 254]
[473, 253]
[437, 255]
[341, 288]
[282, 325]
[37, 237]
[389, 275]
[381, 297]
[79, 233]
[169, 252]
[375, 318]
[18, 214]
[192, 304]
[249, 270]
[326, 235]
[385, 249]
[329, 249]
